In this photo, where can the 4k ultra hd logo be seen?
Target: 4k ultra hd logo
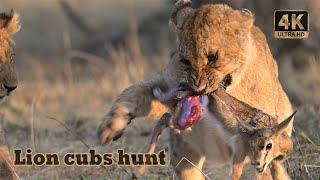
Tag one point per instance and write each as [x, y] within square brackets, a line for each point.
[291, 24]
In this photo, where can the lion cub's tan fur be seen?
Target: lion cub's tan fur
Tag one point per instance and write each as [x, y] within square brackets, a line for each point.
[9, 25]
[242, 52]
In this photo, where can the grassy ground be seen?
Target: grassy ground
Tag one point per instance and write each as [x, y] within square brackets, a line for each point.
[78, 91]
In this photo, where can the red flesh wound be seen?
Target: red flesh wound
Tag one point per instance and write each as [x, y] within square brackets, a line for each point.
[191, 112]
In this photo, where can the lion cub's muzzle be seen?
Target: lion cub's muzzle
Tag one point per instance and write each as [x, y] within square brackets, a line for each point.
[8, 80]
[206, 89]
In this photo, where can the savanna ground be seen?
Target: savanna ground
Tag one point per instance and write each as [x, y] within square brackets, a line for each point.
[64, 74]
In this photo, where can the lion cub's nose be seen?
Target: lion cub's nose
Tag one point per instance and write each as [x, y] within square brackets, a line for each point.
[255, 163]
[10, 87]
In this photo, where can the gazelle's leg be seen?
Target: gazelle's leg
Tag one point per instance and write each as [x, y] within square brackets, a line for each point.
[239, 156]
[164, 122]
[181, 152]
[237, 168]
[279, 173]
[266, 175]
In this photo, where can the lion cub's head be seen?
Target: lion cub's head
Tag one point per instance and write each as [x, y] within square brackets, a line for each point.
[9, 25]
[214, 42]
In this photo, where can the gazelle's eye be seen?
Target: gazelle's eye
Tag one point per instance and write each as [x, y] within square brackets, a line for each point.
[212, 58]
[268, 146]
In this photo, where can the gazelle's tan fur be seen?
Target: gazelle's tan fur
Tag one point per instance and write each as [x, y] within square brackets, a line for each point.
[243, 53]
[251, 132]
[259, 136]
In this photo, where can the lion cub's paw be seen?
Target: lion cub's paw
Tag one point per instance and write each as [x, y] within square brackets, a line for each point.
[114, 124]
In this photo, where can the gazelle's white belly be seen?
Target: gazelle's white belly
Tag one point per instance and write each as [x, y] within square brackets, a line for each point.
[209, 137]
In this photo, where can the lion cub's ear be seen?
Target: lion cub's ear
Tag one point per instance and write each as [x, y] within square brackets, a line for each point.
[180, 11]
[248, 19]
[9, 23]
[242, 20]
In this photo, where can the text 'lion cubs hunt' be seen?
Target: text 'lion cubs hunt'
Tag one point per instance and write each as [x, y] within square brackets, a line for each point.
[9, 25]
[215, 42]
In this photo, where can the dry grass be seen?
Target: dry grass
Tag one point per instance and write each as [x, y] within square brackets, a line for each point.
[76, 91]
[79, 89]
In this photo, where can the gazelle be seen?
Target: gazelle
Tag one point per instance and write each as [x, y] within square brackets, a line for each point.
[253, 133]
[248, 132]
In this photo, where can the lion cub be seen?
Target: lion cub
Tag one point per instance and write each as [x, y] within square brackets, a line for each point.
[9, 25]
[249, 131]
[214, 41]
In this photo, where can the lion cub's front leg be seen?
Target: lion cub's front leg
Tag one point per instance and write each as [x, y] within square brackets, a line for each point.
[135, 101]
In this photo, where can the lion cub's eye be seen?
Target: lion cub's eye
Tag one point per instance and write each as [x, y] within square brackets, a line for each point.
[268, 146]
[185, 62]
[12, 57]
[212, 58]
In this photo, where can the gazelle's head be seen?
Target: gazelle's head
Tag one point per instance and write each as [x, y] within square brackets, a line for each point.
[269, 143]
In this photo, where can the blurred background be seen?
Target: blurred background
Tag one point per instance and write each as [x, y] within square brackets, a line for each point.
[75, 56]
